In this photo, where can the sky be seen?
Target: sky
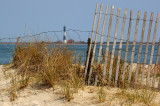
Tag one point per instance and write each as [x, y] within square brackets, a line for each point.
[18, 17]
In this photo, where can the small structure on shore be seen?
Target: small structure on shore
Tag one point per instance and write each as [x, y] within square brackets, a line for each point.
[64, 37]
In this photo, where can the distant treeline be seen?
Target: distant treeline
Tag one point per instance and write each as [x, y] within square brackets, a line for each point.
[82, 42]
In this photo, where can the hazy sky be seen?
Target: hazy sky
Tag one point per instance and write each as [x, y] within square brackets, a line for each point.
[17, 16]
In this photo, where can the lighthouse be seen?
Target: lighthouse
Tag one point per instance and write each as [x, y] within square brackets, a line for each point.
[64, 37]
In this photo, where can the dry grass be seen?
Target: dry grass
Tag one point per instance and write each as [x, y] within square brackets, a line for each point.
[42, 65]
[158, 69]
[68, 93]
[101, 94]
[99, 69]
[134, 96]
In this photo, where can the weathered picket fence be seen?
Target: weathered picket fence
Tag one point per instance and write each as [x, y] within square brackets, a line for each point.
[92, 48]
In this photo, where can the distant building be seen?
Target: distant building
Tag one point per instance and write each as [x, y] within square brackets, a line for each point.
[70, 41]
[59, 41]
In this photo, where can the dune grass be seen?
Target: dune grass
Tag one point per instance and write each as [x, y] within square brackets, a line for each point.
[138, 95]
[39, 64]
[101, 94]
[99, 70]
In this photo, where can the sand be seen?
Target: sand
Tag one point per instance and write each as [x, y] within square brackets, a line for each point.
[49, 97]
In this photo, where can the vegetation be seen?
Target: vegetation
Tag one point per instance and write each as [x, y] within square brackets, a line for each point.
[68, 93]
[39, 64]
[144, 96]
[99, 69]
[101, 94]
[158, 69]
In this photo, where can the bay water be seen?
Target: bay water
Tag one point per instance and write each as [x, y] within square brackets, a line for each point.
[7, 52]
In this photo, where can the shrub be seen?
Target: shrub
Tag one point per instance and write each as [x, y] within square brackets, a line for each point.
[46, 65]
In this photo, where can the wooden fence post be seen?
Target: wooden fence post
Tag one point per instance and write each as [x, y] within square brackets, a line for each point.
[147, 45]
[140, 48]
[90, 46]
[120, 46]
[127, 43]
[90, 56]
[101, 42]
[94, 48]
[114, 44]
[133, 49]
[152, 50]
[108, 41]
[103, 29]
[155, 69]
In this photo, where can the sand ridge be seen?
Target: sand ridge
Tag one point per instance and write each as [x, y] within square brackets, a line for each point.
[49, 97]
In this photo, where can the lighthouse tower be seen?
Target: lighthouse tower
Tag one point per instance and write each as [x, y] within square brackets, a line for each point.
[64, 37]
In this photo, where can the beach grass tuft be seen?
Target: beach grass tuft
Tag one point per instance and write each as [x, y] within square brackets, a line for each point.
[40, 64]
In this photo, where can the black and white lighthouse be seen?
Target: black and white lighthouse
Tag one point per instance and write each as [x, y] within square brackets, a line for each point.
[64, 37]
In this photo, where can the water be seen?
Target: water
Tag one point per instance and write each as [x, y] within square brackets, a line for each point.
[7, 50]
[6, 53]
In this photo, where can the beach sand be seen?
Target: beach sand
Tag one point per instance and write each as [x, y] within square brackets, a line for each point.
[49, 97]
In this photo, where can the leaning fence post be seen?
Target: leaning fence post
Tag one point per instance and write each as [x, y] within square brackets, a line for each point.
[90, 46]
[88, 43]
[127, 43]
[147, 45]
[140, 48]
[133, 49]
[155, 69]
[108, 41]
[120, 47]
[101, 42]
[152, 50]
[103, 28]
[114, 44]
[94, 48]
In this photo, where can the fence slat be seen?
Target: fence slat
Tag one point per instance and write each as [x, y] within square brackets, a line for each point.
[133, 49]
[103, 29]
[152, 50]
[155, 69]
[114, 44]
[147, 45]
[94, 48]
[108, 41]
[89, 50]
[140, 48]
[126, 50]
[101, 42]
[120, 46]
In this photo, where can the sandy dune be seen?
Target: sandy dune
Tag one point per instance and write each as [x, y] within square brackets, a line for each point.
[49, 97]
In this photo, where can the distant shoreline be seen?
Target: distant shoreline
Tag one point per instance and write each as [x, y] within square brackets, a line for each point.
[137, 43]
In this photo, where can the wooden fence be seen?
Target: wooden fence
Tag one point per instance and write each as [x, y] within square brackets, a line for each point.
[126, 67]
